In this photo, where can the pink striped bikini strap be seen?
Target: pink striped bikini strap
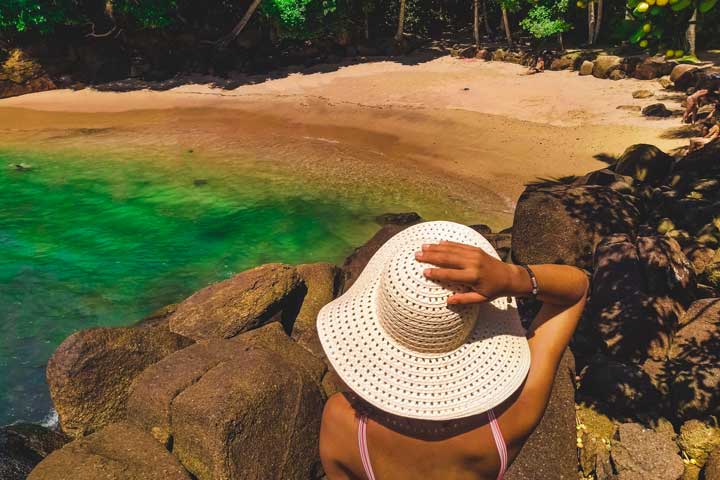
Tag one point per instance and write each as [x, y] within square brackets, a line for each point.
[494, 426]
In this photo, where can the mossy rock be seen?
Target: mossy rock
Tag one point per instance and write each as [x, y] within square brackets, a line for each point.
[698, 440]
[596, 438]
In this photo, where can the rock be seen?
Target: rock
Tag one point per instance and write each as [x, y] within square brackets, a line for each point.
[332, 384]
[24, 445]
[90, 372]
[586, 68]
[642, 94]
[499, 55]
[481, 228]
[502, 243]
[563, 224]
[409, 218]
[152, 393]
[667, 270]
[597, 436]
[642, 454]
[625, 388]
[656, 110]
[251, 299]
[712, 467]
[694, 362]
[617, 75]
[604, 65]
[483, 54]
[254, 416]
[682, 76]
[550, 450]
[356, 261]
[698, 440]
[700, 256]
[665, 83]
[604, 177]
[19, 74]
[619, 308]
[566, 62]
[323, 282]
[467, 52]
[629, 108]
[644, 163]
[698, 164]
[653, 67]
[117, 452]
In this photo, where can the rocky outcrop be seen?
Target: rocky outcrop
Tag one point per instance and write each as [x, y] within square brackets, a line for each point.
[20, 74]
[23, 445]
[550, 450]
[563, 224]
[117, 452]
[641, 454]
[150, 404]
[90, 372]
[694, 363]
[644, 163]
[253, 298]
[322, 283]
[264, 423]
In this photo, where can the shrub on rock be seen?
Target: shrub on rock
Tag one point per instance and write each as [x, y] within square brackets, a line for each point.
[563, 224]
[90, 372]
[253, 298]
[117, 452]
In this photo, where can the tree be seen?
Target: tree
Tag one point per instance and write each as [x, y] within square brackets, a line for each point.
[240, 25]
[401, 21]
[690, 33]
[546, 18]
[506, 24]
[476, 23]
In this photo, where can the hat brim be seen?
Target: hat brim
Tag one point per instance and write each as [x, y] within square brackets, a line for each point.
[471, 379]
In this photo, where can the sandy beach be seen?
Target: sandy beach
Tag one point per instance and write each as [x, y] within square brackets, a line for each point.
[474, 130]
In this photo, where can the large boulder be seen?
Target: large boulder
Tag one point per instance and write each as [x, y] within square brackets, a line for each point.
[550, 450]
[656, 110]
[322, 283]
[24, 445]
[643, 454]
[712, 467]
[586, 68]
[700, 163]
[254, 416]
[682, 76]
[117, 452]
[90, 372]
[653, 67]
[253, 298]
[150, 403]
[694, 362]
[563, 224]
[20, 74]
[625, 389]
[604, 65]
[356, 261]
[644, 163]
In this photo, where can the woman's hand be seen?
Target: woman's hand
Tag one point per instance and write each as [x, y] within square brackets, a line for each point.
[486, 276]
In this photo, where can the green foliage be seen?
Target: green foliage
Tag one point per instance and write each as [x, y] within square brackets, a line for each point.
[661, 24]
[18, 16]
[146, 13]
[298, 18]
[546, 19]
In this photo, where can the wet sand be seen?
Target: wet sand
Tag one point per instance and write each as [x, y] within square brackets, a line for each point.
[465, 135]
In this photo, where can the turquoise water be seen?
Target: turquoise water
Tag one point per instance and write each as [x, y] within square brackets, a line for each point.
[89, 241]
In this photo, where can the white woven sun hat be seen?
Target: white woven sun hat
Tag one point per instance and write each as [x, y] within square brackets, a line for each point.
[396, 343]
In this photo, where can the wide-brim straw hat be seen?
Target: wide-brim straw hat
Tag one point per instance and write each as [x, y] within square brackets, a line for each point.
[396, 343]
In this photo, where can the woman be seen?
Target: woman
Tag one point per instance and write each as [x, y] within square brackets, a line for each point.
[444, 383]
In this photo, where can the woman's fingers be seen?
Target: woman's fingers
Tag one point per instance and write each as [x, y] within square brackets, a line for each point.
[449, 275]
[466, 298]
[446, 259]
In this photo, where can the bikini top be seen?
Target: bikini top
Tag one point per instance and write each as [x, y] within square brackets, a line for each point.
[494, 426]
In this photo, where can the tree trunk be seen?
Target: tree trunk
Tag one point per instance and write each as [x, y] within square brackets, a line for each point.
[241, 24]
[690, 33]
[486, 20]
[476, 22]
[506, 23]
[401, 22]
[367, 25]
[591, 22]
[560, 41]
[598, 20]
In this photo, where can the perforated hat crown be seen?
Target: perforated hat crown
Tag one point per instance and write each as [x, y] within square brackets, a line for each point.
[396, 343]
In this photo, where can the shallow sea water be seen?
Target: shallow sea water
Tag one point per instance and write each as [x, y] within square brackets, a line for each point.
[87, 240]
